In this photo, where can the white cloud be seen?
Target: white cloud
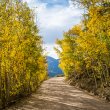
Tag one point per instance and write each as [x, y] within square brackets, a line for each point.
[28, 1]
[49, 50]
[54, 21]
[56, 17]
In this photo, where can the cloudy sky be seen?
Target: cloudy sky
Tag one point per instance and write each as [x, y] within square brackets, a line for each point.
[54, 17]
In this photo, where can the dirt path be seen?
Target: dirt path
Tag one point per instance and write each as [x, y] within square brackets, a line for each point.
[55, 94]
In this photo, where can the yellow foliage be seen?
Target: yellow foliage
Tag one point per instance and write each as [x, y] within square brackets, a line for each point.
[85, 49]
[23, 66]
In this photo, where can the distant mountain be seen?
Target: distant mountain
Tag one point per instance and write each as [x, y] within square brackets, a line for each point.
[53, 68]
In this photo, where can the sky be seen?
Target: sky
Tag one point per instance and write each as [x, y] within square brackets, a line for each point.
[54, 17]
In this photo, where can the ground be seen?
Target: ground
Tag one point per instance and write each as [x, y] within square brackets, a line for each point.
[56, 94]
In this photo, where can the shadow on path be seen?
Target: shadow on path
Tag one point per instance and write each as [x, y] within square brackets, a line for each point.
[55, 94]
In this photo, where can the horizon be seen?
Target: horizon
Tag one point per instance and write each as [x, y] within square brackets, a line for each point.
[53, 57]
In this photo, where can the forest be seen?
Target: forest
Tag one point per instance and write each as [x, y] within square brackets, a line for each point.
[85, 49]
[23, 65]
[84, 56]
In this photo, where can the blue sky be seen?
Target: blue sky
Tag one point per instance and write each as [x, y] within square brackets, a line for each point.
[54, 17]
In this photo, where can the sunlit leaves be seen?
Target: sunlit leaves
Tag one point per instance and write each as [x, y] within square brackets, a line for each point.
[85, 49]
[22, 63]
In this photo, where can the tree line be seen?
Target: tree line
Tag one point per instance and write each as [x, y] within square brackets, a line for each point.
[22, 64]
[85, 49]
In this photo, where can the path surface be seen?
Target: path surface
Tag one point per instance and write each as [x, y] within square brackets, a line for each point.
[55, 94]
